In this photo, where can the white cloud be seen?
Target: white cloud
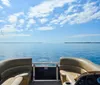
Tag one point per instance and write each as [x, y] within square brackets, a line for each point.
[30, 22]
[19, 14]
[89, 11]
[46, 7]
[11, 31]
[44, 14]
[96, 15]
[14, 35]
[14, 17]
[68, 19]
[11, 27]
[84, 35]
[8, 28]
[45, 28]
[43, 20]
[21, 21]
[87, 15]
[57, 20]
[6, 2]
[70, 9]
[20, 24]
[2, 21]
[1, 7]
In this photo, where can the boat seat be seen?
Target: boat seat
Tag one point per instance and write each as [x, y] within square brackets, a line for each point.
[13, 81]
[21, 78]
[8, 81]
[73, 74]
[16, 71]
[26, 78]
[72, 68]
[65, 74]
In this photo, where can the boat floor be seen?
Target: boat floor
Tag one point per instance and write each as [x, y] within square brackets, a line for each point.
[46, 83]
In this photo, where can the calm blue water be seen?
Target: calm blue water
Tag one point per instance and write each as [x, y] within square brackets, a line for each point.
[49, 52]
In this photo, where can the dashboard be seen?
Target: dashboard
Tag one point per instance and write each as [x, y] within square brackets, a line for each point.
[89, 78]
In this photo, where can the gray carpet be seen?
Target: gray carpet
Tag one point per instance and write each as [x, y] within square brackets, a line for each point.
[46, 83]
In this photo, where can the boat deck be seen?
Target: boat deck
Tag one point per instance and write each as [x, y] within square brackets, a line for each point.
[46, 83]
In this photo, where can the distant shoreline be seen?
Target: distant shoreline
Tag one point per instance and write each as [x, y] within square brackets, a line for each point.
[82, 42]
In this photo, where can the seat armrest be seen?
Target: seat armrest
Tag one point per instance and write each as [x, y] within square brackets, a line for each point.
[17, 81]
[26, 78]
[23, 75]
[62, 76]
[66, 77]
[70, 79]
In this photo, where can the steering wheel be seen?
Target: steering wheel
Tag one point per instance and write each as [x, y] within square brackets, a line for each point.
[89, 78]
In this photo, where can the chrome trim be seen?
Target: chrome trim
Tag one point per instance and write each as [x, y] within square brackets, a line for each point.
[45, 63]
[57, 72]
[33, 71]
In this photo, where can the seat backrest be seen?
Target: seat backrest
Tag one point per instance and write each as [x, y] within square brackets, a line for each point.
[14, 67]
[78, 65]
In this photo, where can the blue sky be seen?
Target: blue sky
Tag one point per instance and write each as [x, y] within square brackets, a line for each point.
[49, 20]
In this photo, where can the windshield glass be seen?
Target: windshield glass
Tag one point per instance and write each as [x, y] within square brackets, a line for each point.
[49, 29]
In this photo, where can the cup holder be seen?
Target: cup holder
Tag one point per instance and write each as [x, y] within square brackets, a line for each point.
[67, 83]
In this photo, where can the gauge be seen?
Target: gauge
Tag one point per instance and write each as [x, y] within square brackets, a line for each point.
[98, 80]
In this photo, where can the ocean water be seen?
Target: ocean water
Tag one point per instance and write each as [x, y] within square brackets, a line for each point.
[41, 52]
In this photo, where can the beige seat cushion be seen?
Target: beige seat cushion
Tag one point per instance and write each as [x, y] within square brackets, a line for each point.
[68, 76]
[22, 79]
[17, 81]
[14, 71]
[13, 81]
[8, 81]
[26, 78]
[75, 75]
